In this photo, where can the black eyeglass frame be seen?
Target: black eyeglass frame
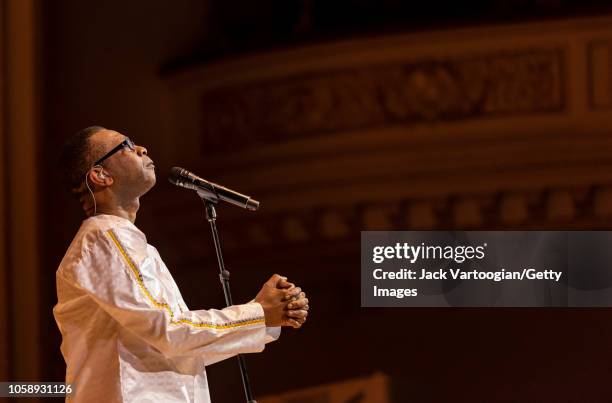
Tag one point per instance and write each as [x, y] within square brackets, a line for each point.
[125, 143]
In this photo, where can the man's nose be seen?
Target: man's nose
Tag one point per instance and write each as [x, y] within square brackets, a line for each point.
[141, 150]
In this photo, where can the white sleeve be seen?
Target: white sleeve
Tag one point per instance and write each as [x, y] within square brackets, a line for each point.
[109, 274]
[272, 334]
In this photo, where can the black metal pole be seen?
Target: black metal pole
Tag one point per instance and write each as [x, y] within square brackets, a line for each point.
[224, 274]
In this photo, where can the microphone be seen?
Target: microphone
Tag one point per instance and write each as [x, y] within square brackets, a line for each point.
[209, 190]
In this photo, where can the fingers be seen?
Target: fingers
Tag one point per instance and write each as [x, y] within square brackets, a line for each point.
[292, 293]
[296, 297]
[275, 279]
[294, 323]
[295, 302]
[284, 284]
[301, 303]
[297, 316]
[297, 313]
[280, 282]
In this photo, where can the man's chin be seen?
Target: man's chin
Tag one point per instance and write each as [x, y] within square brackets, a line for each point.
[149, 182]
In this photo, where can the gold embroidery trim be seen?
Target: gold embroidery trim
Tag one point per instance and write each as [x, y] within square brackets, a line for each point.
[163, 305]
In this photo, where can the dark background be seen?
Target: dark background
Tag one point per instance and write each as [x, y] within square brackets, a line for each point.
[127, 65]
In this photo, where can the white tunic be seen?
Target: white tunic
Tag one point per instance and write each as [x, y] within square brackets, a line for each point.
[128, 336]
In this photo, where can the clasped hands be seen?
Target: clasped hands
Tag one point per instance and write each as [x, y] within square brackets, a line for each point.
[283, 303]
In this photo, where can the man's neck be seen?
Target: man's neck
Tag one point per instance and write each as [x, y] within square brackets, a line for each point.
[126, 209]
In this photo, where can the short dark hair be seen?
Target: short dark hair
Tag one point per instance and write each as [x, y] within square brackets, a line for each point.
[76, 158]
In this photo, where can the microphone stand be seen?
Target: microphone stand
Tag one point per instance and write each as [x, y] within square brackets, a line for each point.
[224, 274]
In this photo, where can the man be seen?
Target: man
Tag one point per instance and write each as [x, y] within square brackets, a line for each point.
[128, 336]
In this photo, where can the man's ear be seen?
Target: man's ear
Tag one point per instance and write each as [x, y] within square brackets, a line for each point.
[97, 176]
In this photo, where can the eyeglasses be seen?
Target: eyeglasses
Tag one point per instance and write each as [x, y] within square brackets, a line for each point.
[125, 143]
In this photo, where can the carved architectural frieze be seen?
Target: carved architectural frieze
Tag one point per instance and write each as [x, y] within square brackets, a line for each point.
[446, 89]
[567, 208]
[485, 128]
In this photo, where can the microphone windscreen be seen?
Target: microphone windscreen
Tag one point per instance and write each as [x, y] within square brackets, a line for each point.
[175, 175]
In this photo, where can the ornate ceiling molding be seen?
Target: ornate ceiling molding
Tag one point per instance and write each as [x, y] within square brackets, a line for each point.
[553, 208]
[476, 119]
[446, 89]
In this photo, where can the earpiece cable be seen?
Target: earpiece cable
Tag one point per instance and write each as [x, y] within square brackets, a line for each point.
[91, 193]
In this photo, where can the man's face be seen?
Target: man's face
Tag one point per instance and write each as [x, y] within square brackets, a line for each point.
[132, 171]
